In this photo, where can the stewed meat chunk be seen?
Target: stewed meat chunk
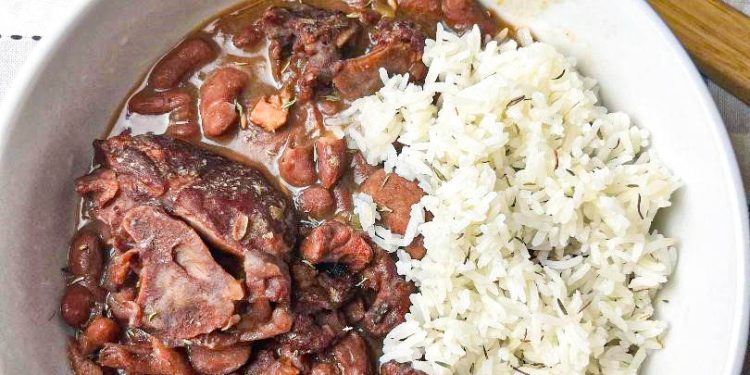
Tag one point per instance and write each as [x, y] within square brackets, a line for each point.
[394, 196]
[310, 37]
[231, 204]
[392, 292]
[351, 355]
[398, 50]
[183, 291]
[80, 363]
[318, 290]
[336, 243]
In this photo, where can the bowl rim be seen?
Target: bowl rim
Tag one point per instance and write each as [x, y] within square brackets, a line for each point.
[40, 58]
[739, 341]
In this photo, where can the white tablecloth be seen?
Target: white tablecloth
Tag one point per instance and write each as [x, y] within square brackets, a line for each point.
[23, 21]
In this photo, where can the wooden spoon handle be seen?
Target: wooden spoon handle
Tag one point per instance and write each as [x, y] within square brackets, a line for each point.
[717, 36]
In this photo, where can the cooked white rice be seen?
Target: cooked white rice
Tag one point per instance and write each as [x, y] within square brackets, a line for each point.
[540, 255]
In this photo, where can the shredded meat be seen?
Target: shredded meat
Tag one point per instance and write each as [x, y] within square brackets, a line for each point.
[124, 308]
[266, 277]
[351, 355]
[336, 242]
[152, 358]
[398, 49]
[416, 248]
[263, 323]
[394, 195]
[310, 37]
[311, 336]
[427, 11]
[392, 295]
[101, 186]
[395, 368]
[81, 364]
[322, 368]
[320, 290]
[183, 291]
[219, 361]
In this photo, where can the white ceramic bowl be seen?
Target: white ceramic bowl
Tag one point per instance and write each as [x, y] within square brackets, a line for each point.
[74, 81]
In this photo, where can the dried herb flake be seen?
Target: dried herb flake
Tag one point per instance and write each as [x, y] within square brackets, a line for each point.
[559, 76]
[515, 101]
[638, 206]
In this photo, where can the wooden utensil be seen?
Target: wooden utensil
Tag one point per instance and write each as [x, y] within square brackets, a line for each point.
[717, 37]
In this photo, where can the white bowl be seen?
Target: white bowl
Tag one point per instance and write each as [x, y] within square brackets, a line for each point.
[75, 80]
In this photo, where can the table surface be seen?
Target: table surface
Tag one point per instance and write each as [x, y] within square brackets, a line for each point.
[24, 22]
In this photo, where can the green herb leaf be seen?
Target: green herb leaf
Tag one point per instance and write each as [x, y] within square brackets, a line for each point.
[442, 364]
[288, 104]
[437, 173]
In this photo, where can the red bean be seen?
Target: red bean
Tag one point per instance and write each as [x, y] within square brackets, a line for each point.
[85, 255]
[100, 331]
[343, 197]
[296, 165]
[183, 122]
[188, 56]
[463, 14]
[217, 100]
[316, 201]
[331, 159]
[76, 305]
[157, 103]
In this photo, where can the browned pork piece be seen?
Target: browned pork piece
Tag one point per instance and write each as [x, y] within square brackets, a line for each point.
[398, 49]
[145, 179]
[183, 291]
[231, 204]
[394, 196]
[310, 37]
